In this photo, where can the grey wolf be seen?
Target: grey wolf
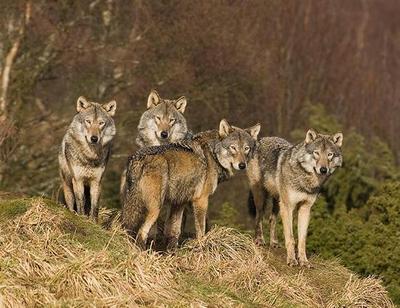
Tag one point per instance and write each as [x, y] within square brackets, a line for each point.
[163, 122]
[288, 177]
[175, 174]
[84, 154]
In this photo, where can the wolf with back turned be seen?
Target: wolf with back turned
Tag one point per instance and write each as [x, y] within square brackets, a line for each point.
[84, 153]
[288, 177]
[175, 174]
[162, 123]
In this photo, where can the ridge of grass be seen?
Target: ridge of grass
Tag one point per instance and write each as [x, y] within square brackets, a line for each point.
[52, 257]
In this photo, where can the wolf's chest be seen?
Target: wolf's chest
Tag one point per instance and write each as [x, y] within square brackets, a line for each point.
[87, 173]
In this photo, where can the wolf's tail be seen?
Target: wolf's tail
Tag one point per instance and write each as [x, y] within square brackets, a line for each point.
[251, 206]
[133, 208]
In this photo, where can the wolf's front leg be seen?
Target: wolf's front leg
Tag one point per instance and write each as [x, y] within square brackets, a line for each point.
[200, 207]
[287, 219]
[94, 199]
[273, 238]
[303, 221]
[68, 195]
[258, 198]
[79, 192]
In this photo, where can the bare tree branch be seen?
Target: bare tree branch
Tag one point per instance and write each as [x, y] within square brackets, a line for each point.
[9, 60]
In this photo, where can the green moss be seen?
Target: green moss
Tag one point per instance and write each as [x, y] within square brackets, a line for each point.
[205, 290]
[10, 209]
[84, 231]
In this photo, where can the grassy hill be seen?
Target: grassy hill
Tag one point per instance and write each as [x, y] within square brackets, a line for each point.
[51, 257]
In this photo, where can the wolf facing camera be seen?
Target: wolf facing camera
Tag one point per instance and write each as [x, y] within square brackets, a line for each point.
[84, 154]
[287, 177]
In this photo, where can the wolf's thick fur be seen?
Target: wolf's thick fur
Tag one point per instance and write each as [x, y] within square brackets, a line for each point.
[84, 153]
[179, 173]
[289, 177]
[162, 123]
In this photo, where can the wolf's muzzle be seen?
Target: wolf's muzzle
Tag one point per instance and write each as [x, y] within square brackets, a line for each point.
[164, 134]
[94, 139]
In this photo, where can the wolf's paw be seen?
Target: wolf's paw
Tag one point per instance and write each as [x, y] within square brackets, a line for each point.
[259, 241]
[292, 262]
[141, 243]
[306, 264]
[274, 244]
[172, 243]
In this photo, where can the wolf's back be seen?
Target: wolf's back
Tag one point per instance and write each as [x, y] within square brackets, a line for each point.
[269, 151]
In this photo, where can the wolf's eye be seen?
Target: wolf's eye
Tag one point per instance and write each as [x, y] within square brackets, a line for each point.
[88, 122]
[316, 153]
[172, 121]
[330, 155]
[232, 147]
[158, 119]
[101, 123]
[247, 148]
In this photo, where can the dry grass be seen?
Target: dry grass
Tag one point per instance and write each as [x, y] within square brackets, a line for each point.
[50, 257]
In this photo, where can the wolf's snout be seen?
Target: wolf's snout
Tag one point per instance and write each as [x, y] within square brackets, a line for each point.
[164, 134]
[94, 139]
[242, 166]
[323, 170]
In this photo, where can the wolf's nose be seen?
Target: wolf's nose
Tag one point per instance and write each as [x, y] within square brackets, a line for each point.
[94, 139]
[164, 134]
[242, 166]
[323, 170]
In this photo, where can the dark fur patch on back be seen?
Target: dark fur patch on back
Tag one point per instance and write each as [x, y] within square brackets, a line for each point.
[160, 149]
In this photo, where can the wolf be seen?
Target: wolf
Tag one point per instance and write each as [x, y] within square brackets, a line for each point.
[84, 154]
[288, 177]
[163, 122]
[178, 173]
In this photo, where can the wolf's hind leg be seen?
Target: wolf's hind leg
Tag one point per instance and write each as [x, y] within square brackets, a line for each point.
[200, 207]
[68, 195]
[287, 219]
[258, 197]
[273, 237]
[151, 187]
[172, 229]
[153, 211]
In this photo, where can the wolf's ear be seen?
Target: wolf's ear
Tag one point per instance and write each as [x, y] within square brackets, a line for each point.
[110, 107]
[153, 99]
[254, 130]
[82, 104]
[224, 128]
[338, 139]
[180, 104]
[311, 135]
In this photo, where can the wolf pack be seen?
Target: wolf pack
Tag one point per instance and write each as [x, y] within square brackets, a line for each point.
[179, 170]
